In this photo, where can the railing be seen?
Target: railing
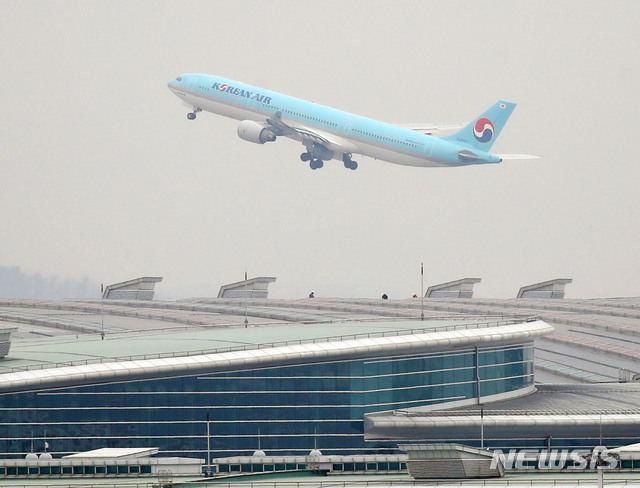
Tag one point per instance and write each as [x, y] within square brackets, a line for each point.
[523, 483]
[39, 482]
[270, 345]
[512, 481]
[474, 410]
[450, 483]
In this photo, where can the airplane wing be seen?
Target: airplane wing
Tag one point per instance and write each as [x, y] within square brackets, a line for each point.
[309, 136]
[431, 129]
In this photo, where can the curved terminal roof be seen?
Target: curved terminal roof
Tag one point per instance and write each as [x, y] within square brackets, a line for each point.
[270, 354]
[553, 410]
[595, 341]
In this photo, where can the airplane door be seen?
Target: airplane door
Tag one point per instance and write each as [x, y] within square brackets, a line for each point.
[194, 82]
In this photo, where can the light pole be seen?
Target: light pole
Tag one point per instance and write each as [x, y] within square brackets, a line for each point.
[481, 426]
[208, 447]
[421, 291]
[102, 309]
[246, 319]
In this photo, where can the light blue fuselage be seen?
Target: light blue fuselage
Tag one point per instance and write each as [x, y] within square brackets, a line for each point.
[344, 132]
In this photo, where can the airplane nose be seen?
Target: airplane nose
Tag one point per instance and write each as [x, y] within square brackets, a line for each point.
[175, 84]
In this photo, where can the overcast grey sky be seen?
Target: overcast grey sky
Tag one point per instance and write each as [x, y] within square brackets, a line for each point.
[102, 176]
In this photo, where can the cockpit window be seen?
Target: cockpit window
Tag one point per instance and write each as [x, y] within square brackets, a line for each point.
[179, 78]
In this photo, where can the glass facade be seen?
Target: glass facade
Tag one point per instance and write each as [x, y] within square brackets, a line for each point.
[67, 471]
[292, 409]
[346, 467]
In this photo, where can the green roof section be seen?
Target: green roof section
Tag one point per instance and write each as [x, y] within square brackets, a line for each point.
[135, 345]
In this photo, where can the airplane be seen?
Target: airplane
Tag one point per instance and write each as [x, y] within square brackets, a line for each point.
[328, 133]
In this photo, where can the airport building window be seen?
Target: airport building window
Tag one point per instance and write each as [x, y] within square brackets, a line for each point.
[292, 406]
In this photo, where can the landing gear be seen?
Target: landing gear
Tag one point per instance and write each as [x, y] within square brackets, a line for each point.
[348, 162]
[192, 115]
[316, 154]
[314, 162]
[351, 165]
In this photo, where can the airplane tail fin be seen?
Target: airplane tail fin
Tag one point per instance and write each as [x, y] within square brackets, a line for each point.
[483, 131]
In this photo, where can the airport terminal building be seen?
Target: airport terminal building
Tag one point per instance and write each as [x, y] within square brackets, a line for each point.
[344, 376]
[293, 396]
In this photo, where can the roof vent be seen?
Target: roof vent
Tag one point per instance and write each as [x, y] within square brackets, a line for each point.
[546, 289]
[138, 289]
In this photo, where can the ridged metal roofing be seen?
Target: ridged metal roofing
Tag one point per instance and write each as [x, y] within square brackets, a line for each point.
[556, 410]
[590, 334]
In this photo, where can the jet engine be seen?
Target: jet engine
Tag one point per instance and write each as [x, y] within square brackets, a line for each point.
[252, 131]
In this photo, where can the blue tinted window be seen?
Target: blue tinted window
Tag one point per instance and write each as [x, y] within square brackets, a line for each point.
[293, 407]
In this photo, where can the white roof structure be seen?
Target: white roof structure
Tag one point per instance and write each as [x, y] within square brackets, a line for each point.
[552, 410]
[291, 354]
[115, 453]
